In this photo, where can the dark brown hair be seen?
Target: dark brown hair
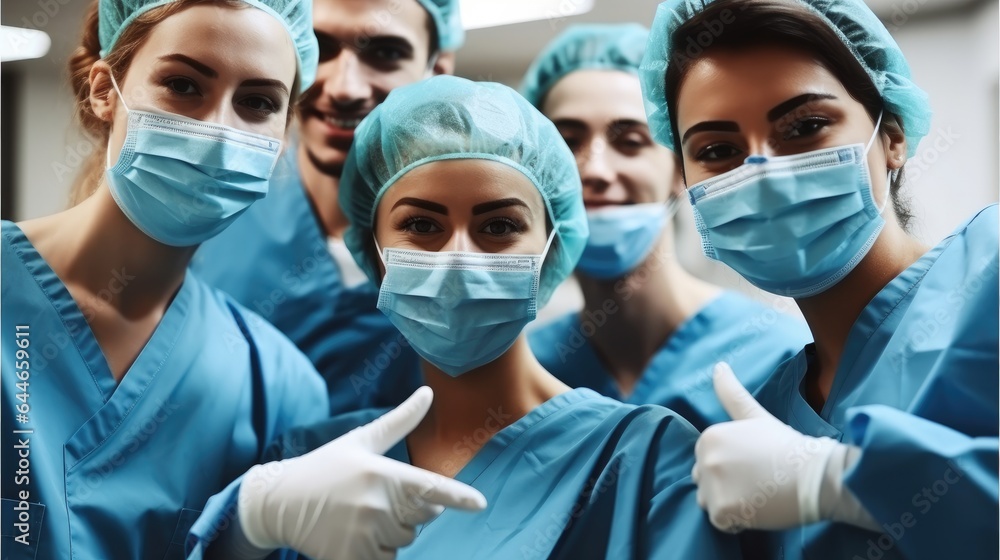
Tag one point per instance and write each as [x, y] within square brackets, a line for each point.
[743, 23]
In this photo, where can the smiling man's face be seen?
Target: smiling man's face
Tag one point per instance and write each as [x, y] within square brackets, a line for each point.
[367, 49]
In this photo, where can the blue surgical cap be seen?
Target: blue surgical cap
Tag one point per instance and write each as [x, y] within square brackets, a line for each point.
[858, 28]
[447, 22]
[296, 15]
[585, 47]
[445, 118]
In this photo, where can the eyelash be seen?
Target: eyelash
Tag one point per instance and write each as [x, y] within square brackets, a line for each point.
[272, 106]
[408, 223]
[169, 83]
[517, 228]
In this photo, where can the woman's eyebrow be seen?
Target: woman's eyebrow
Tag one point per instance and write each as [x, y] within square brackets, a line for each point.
[198, 66]
[716, 126]
[496, 205]
[420, 203]
[264, 82]
[786, 107]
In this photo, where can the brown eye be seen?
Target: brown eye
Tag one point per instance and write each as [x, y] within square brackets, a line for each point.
[420, 226]
[500, 227]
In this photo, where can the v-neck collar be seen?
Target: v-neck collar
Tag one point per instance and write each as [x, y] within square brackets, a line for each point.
[871, 319]
[153, 353]
[507, 436]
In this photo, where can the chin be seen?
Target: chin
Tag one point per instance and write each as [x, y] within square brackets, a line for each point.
[327, 159]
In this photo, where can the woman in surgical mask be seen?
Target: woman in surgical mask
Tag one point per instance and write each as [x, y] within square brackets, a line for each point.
[465, 208]
[794, 120]
[649, 332]
[132, 392]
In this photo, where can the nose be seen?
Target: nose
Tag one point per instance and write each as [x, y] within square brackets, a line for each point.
[595, 169]
[460, 241]
[221, 113]
[767, 147]
[347, 83]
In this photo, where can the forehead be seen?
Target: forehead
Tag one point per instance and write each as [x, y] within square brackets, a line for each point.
[354, 20]
[245, 41]
[728, 82]
[598, 95]
[465, 182]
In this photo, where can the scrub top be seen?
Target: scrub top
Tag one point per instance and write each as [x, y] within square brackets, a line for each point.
[751, 337]
[916, 390]
[275, 260]
[581, 476]
[98, 469]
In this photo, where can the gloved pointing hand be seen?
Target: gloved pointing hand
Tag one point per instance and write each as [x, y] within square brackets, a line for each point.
[757, 472]
[345, 499]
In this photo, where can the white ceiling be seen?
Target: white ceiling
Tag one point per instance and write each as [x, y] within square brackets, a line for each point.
[498, 53]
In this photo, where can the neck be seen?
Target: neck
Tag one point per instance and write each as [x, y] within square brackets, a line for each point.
[322, 188]
[93, 246]
[469, 409]
[635, 315]
[832, 313]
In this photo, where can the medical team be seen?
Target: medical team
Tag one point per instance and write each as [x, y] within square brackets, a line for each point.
[413, 225]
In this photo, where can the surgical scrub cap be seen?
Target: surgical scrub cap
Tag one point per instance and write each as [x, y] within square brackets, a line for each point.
[585, 47]
[859, 29]
[447, 118]
[447, 21]
[296, 15]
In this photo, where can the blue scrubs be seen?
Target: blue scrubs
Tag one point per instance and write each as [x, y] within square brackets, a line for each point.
[99, 469]
[581, 476]
[751, 337]
[275, 260]
[917, 391]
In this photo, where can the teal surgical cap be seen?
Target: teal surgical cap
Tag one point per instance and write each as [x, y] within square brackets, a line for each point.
[859, 29]
[585, 47]
[446, 118]
[296, 15]
[447, 21]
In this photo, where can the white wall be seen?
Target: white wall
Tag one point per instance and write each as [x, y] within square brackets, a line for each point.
[955, 60]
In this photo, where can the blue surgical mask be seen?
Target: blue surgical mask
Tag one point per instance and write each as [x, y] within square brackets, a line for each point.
[460, 310]
[792, 225]
[621, 238]
[182, 181]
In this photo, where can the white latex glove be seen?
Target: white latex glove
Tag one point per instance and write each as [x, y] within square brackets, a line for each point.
[347, 501]
[756, 472]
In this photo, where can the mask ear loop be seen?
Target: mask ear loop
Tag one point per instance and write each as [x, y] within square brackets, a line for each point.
[378, 250]
[429, 73]
[888, 180]
[107, 151]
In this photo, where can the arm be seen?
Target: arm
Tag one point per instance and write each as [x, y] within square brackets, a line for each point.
[932, 489]
[343, 500]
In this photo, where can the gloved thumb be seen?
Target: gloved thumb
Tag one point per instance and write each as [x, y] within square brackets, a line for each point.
[379, 435]
[737, 401]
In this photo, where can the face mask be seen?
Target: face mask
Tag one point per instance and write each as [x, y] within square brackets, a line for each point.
[622, 237]
[460, 310]
[182, 181]
[791, 225]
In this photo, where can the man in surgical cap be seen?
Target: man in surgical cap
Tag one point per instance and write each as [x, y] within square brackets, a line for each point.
[285, 258]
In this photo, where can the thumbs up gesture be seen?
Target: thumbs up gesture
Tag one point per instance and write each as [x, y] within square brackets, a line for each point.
[756, 472]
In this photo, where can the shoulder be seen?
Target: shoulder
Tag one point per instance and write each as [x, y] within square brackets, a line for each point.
[282, 363]
[741, 314]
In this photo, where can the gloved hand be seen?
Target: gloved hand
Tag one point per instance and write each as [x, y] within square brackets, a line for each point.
[756, 472]
[346, 500]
